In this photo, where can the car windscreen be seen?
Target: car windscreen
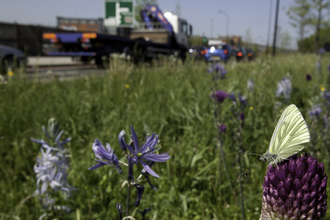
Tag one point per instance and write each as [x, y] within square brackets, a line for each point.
[219, 46]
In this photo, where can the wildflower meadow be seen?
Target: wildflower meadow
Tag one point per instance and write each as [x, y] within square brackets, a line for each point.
[168, 141]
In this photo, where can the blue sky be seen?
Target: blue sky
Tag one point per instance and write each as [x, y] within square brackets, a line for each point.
[243, 14]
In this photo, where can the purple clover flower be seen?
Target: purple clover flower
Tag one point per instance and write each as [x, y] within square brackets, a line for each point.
[147, 152]
[308, 77]
[316, 111]
[219, 96]
[295, 189]
[326, 96]
[222, 128]
[321, 51]
[219, 69]
[106, 156]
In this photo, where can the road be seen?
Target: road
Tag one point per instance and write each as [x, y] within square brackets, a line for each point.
[47, 68]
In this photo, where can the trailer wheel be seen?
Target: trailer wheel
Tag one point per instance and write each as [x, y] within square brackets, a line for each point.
[127, 53]
[182, 55]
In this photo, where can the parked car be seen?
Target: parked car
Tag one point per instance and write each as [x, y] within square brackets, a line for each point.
[10, 58]
[240, 53]
[197, 52]
[250, 54]
[220, 52]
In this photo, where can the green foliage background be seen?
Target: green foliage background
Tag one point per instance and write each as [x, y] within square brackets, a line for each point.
[171, 100]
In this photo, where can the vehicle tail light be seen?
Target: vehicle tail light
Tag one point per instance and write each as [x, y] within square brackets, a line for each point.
[250, 54]
[202, 52]
[49, 36]
[89, 35]
[226, 51]
[239, 54]
[206, 51]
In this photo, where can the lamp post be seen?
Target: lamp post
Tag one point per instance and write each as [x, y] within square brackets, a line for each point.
[227, 28]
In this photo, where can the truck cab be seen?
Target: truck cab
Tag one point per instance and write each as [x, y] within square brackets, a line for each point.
[164, 28]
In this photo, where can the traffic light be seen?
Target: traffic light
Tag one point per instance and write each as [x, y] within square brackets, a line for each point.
[204, 40]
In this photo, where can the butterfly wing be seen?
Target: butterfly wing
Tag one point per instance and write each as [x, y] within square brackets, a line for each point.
[290, 133]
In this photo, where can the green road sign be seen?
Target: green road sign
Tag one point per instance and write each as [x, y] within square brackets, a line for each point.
[118, 13]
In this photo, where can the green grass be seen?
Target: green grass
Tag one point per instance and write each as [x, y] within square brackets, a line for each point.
[171, 100]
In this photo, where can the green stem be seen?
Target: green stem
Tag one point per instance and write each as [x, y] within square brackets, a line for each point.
[128, 198]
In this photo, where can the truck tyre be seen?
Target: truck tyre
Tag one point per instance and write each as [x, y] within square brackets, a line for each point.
[182, 55]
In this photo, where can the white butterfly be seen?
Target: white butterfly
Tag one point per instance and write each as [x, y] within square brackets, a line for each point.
[290, 133]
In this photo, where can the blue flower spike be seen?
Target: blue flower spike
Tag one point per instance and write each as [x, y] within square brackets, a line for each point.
[147, 152]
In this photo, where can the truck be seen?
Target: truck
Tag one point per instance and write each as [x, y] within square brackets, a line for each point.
[158, 34]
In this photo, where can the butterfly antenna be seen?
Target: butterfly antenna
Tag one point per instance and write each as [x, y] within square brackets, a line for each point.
[252, 154]
[245, 175]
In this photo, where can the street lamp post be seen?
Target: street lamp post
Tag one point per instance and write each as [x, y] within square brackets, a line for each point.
[227, 28]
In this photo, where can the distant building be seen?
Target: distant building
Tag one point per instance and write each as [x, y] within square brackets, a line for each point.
[233, 40]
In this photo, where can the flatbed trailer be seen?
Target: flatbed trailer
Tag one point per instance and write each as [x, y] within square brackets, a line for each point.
[95, 45]
[160, 34]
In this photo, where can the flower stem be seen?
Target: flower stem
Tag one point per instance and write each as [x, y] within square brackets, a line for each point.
[128, 198]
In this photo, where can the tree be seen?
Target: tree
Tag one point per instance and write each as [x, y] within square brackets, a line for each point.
[248, 38]
[299, 14]
[316, 19]
[140, 4]
[285, 40]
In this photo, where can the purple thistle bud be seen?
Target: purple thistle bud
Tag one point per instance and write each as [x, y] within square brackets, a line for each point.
[120, 210]
[222, 128]
[219, 96]
[144, 212]
[308, 77]
[106, 156]
[121, 137]
[295, 189]
[140, 190]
